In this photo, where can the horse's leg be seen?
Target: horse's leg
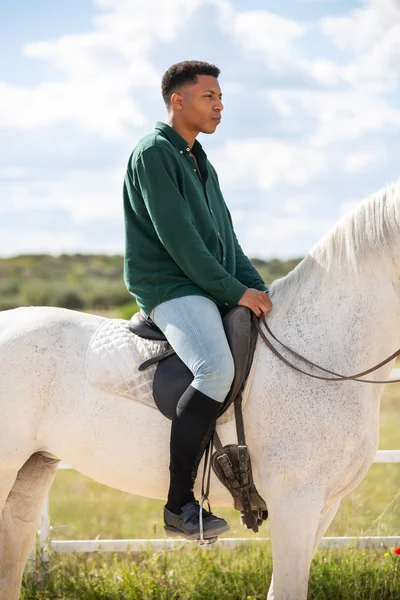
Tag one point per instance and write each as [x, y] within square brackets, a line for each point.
[7, 479]
[324, 522]
[294, 521]
[19, 521]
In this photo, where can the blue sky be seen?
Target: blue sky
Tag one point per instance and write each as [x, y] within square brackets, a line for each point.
[311, 121]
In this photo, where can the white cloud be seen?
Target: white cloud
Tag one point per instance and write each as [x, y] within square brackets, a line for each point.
[65, 238]
[266, 34]
[371, 34]
[85, 195]
[362, 29]
[96, 108]
[265, 163]
[338, 116]
[301, 122]
[359, 162]
[103, 71]
[285, 236]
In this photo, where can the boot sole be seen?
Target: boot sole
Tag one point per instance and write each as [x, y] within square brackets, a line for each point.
[192, 537]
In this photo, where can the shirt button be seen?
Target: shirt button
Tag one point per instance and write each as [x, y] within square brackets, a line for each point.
[226, 304]
[181, 152]
[187, 149]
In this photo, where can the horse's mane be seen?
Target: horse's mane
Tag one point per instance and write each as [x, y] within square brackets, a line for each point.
[367, 232]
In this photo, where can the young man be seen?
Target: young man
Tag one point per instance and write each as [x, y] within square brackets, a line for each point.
[186, 268]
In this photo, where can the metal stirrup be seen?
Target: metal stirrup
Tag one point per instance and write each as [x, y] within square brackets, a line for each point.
[205, 490]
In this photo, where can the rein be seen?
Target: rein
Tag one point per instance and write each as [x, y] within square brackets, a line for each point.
[338, 376]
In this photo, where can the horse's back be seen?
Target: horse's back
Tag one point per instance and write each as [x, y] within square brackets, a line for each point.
[35, 339]
[36, 343]
[31, 318]
[30, 336]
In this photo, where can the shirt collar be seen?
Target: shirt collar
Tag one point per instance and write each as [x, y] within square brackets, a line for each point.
[177, 140]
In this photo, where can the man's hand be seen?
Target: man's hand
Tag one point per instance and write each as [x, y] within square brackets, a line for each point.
[258, 302]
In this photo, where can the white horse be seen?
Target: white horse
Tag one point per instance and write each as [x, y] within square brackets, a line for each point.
[311, 441]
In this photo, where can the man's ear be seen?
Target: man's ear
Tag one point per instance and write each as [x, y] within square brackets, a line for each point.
[177, 101]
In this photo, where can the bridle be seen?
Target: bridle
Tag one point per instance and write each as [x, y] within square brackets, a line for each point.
[256, 321]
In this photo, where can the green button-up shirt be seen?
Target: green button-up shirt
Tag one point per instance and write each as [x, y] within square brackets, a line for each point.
[179, 236]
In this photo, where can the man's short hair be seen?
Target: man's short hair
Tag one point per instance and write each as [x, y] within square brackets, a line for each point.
[184, 73]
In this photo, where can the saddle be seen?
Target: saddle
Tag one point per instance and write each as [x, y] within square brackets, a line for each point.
[230, 463]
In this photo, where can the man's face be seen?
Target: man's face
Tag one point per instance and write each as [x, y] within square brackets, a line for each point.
[201, 104]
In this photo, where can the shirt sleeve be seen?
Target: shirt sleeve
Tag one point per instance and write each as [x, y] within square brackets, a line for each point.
[156, 176]
[245, 270]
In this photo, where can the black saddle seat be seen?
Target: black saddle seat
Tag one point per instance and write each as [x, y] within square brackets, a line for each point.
[145, 328]
[173, 377]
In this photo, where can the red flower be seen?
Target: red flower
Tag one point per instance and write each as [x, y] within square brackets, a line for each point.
[396, 550]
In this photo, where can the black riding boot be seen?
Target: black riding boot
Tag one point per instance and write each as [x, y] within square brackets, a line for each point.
[191, 430]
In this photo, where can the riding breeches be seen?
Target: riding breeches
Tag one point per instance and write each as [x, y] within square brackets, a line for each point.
[193, 326]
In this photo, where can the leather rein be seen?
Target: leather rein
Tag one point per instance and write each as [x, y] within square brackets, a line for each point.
[337, 377]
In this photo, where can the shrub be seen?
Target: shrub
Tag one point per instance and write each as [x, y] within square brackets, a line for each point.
[69, 299]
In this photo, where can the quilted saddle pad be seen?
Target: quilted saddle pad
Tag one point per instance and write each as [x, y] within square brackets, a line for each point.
[113, 356]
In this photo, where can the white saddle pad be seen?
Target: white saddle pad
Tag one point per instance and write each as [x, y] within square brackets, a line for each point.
[114, 355]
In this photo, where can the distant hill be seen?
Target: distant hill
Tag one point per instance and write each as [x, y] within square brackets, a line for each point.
[84, 281]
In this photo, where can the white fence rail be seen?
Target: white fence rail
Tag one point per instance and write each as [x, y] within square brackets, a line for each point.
[382, 456]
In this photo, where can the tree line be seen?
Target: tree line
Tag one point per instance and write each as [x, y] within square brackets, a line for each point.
[84, 281]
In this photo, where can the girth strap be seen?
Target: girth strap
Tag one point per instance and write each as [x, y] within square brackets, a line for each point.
[156, 359]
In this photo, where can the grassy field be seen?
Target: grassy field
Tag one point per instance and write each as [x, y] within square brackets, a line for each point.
[84, 281]
[212, 575]
[83, 509]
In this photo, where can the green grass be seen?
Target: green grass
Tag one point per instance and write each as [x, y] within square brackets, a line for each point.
[197, 574]
[83, 509]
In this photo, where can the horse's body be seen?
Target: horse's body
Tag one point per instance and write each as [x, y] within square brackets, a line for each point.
[311, 441]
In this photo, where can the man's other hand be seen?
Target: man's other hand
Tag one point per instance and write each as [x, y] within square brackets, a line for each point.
[259, 302]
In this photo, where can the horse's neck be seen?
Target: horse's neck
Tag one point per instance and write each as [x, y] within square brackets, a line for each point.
[346, 320]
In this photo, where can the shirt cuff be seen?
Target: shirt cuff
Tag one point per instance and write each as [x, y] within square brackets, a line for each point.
[234, 293]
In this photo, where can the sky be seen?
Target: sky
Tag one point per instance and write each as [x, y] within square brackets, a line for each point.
[310, 127]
